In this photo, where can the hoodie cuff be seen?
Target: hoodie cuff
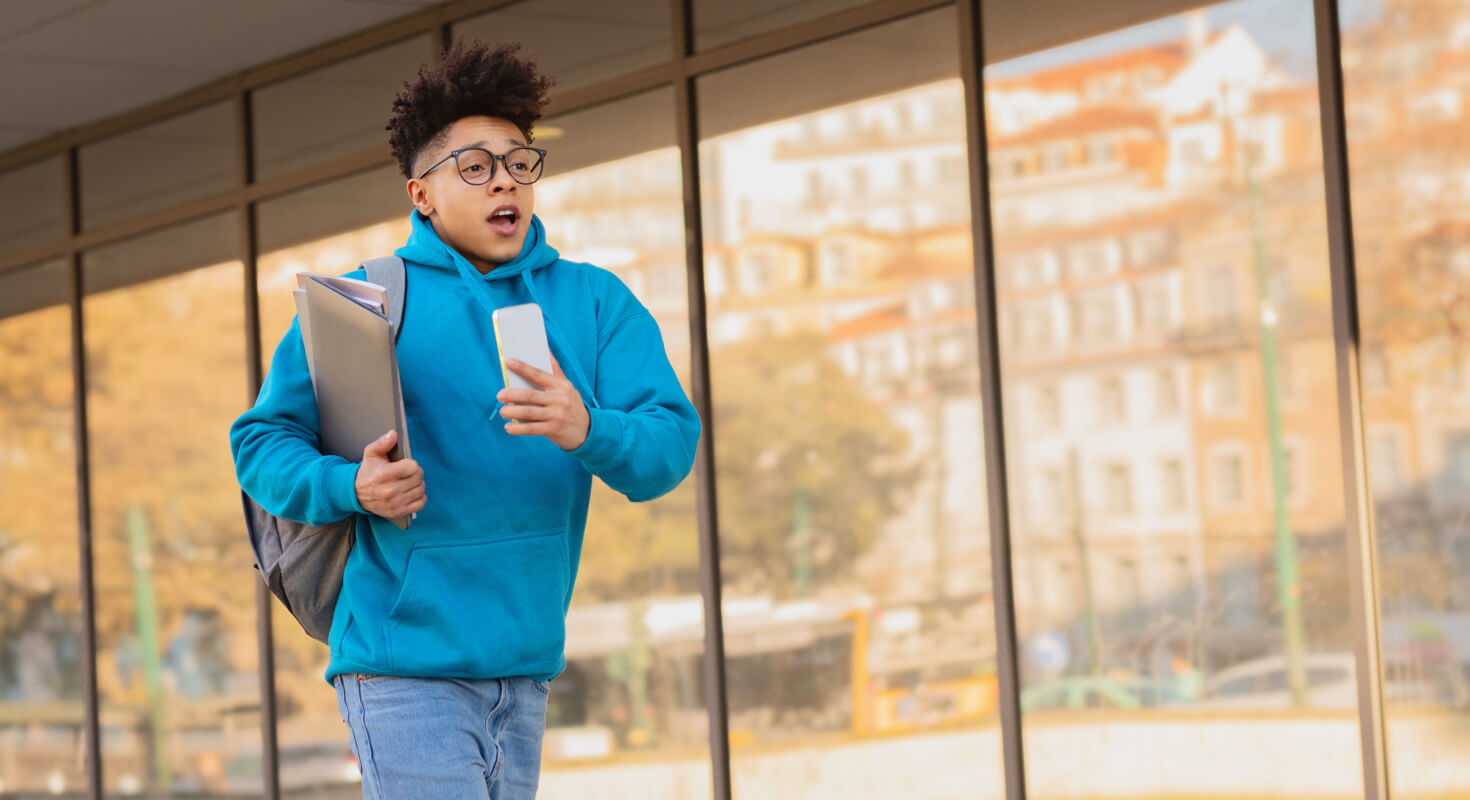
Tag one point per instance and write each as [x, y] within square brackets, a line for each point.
[342, 487]
[604, 440]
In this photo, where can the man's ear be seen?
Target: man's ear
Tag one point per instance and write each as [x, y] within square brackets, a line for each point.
[418, 194]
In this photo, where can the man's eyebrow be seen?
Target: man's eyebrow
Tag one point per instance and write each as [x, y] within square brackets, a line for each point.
[482, 143]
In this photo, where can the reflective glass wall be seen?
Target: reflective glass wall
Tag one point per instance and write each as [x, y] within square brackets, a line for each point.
[42, 747]
[839, 281]
[1407, 86]
[177, 660]
[1169, 386]
[1179, 547]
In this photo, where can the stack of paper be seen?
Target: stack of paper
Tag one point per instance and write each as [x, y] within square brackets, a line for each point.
[354, 365]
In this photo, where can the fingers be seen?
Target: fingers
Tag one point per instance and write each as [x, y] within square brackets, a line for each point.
[556, 413]
[389, 489]
[409, 502]
[381, 446]
[530, 429]
[401, 469]
[405, 486]
[402, 507]
[528, 413]
[523, 397]
[398, 498]
[541, 378]
[383, 479]
[384, 490]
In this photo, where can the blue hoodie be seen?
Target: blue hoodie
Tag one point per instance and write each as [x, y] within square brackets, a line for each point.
[479, 585]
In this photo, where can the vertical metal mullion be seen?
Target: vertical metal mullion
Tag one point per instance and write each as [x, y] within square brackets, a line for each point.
[91, 708]
[1358, 520]
[264, 630]
[445, 40]
[687, 120]
[972, 67]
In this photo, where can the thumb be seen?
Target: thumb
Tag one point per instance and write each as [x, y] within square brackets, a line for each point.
[380, 447]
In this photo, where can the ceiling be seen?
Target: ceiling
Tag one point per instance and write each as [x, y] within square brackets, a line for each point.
[68, 63]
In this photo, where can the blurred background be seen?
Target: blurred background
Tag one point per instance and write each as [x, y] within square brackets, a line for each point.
[1178, 529]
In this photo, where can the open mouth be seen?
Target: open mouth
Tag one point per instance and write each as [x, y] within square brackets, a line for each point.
[505, 220]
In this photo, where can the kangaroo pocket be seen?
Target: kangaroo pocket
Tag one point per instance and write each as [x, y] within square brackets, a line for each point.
[480, 608]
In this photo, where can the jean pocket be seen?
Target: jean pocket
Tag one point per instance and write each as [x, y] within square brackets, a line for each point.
[481, 607]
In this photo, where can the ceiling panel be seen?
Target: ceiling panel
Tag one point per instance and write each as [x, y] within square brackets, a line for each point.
[19, 16]
[87, 60]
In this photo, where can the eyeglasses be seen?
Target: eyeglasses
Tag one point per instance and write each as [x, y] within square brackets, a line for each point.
[476, 165]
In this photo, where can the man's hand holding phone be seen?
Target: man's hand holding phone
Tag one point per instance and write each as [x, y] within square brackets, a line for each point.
[556, 411]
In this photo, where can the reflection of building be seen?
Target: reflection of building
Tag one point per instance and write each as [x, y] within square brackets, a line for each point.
[640, 238]
[872, 250]
[1102, 447]
[1406, 125]
[1209, 157]
[1133, 361]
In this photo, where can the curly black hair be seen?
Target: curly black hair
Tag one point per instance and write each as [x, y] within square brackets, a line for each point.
[471, 81]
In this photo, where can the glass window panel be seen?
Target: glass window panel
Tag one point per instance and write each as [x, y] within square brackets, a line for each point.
[160, 165]
[333, 111]
[1405, 69]
[177, 656]
[1213, 203]
[858, 620]
[42, 743]
[576, 42]
[32, 204]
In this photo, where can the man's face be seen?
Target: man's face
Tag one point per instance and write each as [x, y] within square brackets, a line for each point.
[487, 224]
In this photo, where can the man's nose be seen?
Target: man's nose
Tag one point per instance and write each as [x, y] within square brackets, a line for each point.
[502, 181]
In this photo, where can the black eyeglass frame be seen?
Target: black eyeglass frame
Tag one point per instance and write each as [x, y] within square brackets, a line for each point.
[454, 154]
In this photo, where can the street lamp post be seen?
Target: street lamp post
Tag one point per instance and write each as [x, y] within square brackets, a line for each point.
[1288, 584]
[146, 610]
[1084, 567]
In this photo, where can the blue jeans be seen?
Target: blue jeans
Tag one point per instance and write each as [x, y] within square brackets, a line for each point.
[444, 738]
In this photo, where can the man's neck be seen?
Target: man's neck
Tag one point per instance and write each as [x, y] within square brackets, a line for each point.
[475, 261]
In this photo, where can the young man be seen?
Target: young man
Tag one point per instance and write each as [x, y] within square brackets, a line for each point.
[446, 634]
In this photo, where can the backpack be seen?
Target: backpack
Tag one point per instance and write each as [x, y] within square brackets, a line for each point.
[301, 564]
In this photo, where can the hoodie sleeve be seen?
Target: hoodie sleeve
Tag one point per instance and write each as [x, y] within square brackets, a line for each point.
[277, 443]
[644, 431]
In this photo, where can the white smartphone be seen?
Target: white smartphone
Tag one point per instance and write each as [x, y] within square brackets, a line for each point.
[520, 333]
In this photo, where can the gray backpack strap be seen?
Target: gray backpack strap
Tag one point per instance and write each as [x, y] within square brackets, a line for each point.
[389, 273]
